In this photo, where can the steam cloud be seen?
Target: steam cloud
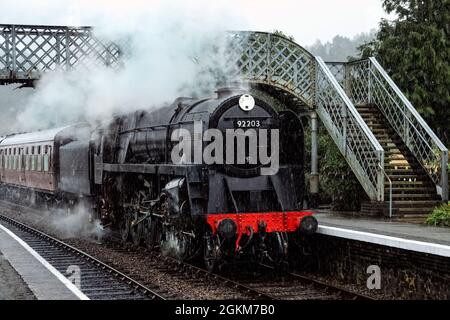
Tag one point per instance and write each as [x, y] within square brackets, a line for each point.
[78, 224]
[172, 55]
[175, 52]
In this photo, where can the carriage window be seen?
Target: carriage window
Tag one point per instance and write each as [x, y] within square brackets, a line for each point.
[20, 158]
[16, 158]
[50, 157]
[27, 162]
[9, 159]
[33, 162]
[46, 159]
[46, 162]
[39, 162]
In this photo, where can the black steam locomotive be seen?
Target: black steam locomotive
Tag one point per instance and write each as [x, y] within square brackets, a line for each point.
[190, 208]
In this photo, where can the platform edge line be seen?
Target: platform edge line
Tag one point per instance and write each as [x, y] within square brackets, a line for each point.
[390, 241]
[74, 289]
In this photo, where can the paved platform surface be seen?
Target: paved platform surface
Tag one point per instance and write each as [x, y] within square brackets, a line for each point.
[45, 282]
[382, 231]
[12, 286]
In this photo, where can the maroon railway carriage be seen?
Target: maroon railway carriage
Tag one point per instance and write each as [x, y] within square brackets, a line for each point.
[31, 162]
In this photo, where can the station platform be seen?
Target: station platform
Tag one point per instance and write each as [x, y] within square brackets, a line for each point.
[12, 286]
[401, 235]
[29, 276]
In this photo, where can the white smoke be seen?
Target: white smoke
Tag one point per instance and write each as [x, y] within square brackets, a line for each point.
[170, 40]
[75, 224]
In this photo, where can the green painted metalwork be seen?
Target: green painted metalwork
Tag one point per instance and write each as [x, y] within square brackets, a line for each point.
[331, 89]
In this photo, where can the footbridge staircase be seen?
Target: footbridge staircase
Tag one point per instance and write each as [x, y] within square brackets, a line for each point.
[397, 158]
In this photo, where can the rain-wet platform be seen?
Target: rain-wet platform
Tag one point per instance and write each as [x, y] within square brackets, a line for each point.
[397, 234]
[31, 276]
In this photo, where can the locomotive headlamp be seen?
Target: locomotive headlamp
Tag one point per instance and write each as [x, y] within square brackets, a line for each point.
[227, 228]
[308, 225]
[246, 102]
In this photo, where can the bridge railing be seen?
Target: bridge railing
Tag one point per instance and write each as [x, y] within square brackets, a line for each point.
[349, 131]
[366, 82]
[26, 51]
[275, 60]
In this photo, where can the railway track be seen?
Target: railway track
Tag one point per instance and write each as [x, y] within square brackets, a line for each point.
[106, 282]
[295, 286]
[98, 280]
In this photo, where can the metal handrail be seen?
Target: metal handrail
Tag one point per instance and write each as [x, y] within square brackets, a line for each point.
[367, 82]
[401, 111]
[390, 190]
[373, 183]
[350, 105]
[420, 121]
[408, 104]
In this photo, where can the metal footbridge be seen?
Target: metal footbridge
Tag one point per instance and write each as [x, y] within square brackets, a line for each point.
[392, 151]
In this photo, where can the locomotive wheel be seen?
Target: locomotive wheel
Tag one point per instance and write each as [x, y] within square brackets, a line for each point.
[124, 228]
[151, 233]
[211, 252]
[279, 252]
[136, 231]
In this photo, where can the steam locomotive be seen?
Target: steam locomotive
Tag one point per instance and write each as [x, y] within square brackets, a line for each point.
[125, 170]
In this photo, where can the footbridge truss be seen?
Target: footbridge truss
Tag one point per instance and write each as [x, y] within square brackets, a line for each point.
[342, 94]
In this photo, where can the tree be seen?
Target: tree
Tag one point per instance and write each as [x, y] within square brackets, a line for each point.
[415, 50]
[282, 34]
[340, 48]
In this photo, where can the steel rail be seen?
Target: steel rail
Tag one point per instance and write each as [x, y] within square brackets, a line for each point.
[183, 266]
[187, 266]
[138, 287]
[324, 285]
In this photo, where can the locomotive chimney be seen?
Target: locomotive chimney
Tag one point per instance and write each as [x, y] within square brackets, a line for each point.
[228, 91]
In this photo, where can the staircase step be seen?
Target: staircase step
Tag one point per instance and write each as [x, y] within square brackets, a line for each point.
[412, 195]
[395, 163]
[414, 203]
[399, 171]
[392, 151]
[412, 188]
[410, 184]
[401, 178]
[416, 210]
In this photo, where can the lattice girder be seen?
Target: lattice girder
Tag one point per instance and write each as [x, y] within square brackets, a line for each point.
[28, 51]
[270, 59]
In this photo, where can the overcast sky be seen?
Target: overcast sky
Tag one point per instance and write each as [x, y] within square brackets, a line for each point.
[306, 20]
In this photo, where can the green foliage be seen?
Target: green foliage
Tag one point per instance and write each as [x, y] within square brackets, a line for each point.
[440, 216]
[415, 50]
[338, 184]
[340, 48]
[282, 34]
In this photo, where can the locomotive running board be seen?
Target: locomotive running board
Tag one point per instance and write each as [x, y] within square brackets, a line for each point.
[169, 169]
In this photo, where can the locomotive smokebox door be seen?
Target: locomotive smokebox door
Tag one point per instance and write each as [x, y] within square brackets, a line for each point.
[176, 195]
